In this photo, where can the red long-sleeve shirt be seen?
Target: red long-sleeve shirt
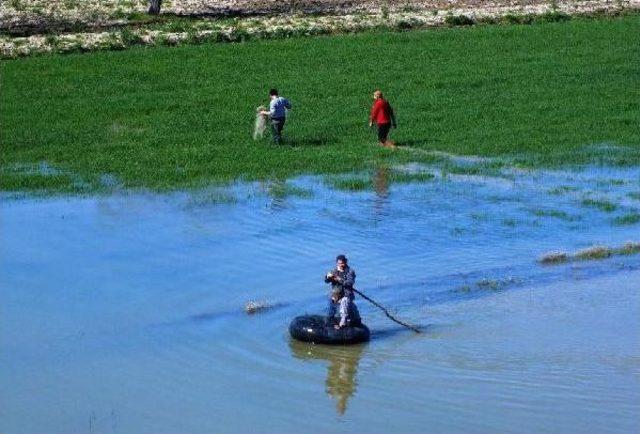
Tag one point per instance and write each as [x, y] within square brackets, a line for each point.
[381, 112]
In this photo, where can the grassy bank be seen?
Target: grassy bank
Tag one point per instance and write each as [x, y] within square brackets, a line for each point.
[552, 93]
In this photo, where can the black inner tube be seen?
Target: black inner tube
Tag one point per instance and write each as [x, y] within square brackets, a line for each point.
[314, 328]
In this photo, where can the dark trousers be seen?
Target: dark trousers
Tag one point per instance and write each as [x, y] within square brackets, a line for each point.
[383, 132]
[277, 124]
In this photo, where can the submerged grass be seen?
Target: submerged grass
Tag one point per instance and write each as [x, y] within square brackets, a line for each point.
[354, 183]
[553, 213]
[627, 219]
[602, 205]
[379, 180]
[595, 252]
[166, 118]
[590, 253]
[563, 189]
[282, 189]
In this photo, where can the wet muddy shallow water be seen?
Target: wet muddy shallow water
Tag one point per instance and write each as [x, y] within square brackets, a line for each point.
[124, 313]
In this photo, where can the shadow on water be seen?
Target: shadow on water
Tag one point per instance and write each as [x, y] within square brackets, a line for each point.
[343, 364]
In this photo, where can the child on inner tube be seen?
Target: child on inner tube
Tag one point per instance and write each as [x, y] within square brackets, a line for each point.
[347, 310]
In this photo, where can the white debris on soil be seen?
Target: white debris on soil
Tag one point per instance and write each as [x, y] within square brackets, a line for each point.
[103, 23]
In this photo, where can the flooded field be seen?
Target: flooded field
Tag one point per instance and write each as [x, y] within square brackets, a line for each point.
[124, 313]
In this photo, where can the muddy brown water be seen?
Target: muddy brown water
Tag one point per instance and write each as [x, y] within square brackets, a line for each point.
[124, 313]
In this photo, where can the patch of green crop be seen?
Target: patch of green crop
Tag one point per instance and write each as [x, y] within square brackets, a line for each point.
[189, 110]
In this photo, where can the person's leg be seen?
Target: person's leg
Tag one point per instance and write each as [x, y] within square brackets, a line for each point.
[383, 133]
[331, 311]
[280, 128]
[276, 129]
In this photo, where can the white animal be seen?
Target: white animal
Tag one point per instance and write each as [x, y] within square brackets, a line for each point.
[260, 125]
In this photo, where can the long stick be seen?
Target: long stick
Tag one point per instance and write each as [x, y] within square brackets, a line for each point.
[386, 312]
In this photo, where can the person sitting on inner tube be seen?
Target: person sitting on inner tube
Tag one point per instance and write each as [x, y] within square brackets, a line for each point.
[347, 309]
[342, 278]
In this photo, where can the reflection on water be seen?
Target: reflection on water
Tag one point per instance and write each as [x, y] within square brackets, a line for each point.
[342, 368]
[381, 181]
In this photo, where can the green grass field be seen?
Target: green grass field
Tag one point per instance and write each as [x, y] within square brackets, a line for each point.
[163, 118]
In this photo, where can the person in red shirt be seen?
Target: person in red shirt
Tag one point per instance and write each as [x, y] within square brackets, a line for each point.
[382, 115]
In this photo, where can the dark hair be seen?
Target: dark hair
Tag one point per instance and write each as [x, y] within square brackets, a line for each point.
[342, 258]
[273, 92]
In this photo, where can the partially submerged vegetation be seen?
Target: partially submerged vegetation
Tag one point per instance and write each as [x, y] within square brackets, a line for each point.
[591, 253]
[562, 215]
[601, 204]
[490, 284]
[628, 219]
[378, 179]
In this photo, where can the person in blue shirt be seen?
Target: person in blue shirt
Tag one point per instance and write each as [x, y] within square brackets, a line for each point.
[277, 113]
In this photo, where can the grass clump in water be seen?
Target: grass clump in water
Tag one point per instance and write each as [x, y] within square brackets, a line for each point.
[562, 189]
[590, 253]
[602, 205]
[554, 258]
[281, 190]
[406, 178]
[553, 213]
[497, 284]
[595, 252]
[352, 183]
[627, 219]
[630, 248]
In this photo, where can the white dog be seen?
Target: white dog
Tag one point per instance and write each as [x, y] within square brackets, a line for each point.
[261, 123]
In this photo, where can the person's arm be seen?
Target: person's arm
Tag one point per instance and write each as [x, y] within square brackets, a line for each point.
[271, 111]
[329, 277]
[349, 279]
[392, 116]
[272, 107]
[374, 112]
[287, 104]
